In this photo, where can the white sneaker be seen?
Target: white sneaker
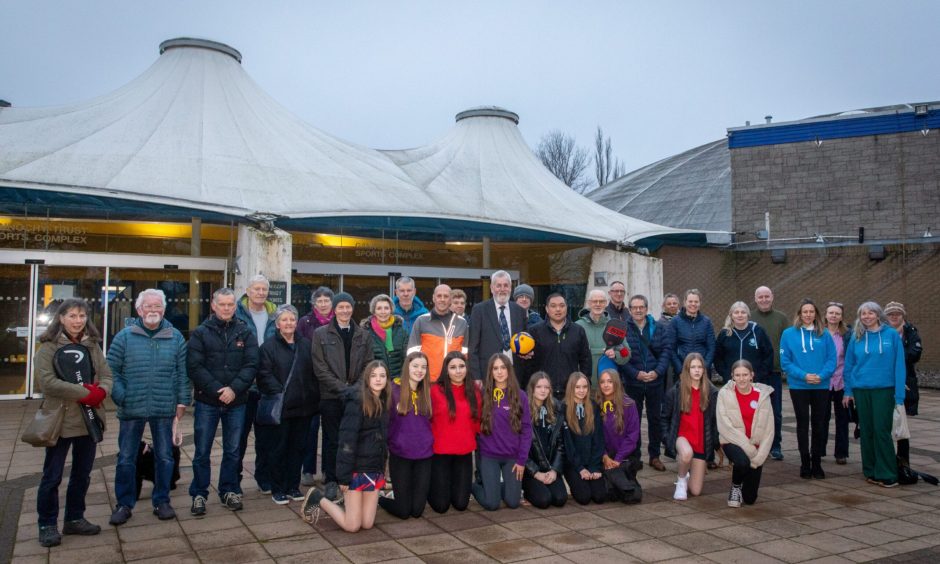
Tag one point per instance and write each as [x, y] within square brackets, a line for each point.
[734, 496]
[682, 488]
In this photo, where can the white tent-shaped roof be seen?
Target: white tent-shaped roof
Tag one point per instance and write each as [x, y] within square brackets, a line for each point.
[484, 166]
[195, 132]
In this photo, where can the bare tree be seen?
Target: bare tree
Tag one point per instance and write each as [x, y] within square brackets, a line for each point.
[561, 155]
[606, 166]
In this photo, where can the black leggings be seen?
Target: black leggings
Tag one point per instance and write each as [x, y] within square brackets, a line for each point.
[410, 481]
[742, 474]
[451, 475]
[811, 408]
[585, 491]
[541, 495]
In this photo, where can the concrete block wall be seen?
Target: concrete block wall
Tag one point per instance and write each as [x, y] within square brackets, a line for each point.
[888, 184]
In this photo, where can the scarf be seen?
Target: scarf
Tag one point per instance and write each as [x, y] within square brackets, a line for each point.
[382, 331]
[323, 320]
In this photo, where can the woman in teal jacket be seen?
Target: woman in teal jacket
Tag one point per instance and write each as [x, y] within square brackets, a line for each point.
[808, 357]
[874, 378]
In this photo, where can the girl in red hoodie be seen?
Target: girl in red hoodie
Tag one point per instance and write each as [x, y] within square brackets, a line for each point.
[455, 422]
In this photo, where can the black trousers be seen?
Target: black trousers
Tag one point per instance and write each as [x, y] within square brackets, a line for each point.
[285, 446]
[451, 476]
[842, 424]
[742, 474]
[331, 413]
[585, 491]
[412, 478]
[541, 495]
[810, 407]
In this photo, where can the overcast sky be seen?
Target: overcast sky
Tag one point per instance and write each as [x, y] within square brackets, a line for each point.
[659, 79]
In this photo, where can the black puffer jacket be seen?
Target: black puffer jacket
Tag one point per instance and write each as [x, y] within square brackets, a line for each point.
[302, 397]
[363, 441]
[670, 421]
[219, 354]
[548, 444]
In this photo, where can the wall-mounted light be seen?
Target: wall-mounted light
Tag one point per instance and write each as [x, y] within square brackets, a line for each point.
[778, 256]
[876, 252]
[920, 110]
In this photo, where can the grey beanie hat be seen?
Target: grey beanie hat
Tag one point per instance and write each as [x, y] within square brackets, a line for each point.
[524, 290]
[343, 297]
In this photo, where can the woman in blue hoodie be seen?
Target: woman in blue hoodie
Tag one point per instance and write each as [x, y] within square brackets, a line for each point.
[808, 357]
[874, 378]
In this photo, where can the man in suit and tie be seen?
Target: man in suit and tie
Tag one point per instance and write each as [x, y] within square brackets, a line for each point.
[492, 323]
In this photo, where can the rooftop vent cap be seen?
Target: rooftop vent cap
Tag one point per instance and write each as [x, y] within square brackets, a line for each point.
[488, 111]
[201, 44]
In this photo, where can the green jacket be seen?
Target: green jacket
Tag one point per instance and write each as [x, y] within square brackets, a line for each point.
[56, 392]
[595, 337]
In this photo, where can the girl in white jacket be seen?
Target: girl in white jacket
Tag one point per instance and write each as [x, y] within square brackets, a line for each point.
[745, 430]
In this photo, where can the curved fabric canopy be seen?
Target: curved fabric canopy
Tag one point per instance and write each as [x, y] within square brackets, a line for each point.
[691, 190]
[195, 131]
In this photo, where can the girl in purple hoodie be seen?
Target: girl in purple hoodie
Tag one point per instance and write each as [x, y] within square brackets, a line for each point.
[410, 442]
[505, 437]
[621, 434]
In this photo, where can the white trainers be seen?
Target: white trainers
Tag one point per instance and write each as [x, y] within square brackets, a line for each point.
[735, 497]
[682, 488]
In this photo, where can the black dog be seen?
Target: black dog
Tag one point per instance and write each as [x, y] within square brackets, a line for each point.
[145, 466]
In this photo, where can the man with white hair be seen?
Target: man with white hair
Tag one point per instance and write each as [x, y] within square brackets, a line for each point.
[492, 323]
[151, 387]
[257, 312]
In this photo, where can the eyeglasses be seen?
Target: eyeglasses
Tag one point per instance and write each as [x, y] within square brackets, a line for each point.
[638, 308]
[837, 304]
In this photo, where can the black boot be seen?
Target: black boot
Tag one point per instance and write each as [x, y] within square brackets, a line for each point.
[818, 473]
[806, 471]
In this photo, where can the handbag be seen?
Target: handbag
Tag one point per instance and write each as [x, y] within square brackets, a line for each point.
[899, 428]
[46, 426]
[270, 406]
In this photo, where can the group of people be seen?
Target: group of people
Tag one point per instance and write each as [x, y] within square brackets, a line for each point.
[443, 406]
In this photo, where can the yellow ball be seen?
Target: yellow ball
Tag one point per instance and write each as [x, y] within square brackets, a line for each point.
[522, 343]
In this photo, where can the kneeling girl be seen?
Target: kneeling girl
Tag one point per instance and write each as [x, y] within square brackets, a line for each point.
[621, 422]
[360, 459]
[505, 437]
[584, 443]
[542, 484]
[746, 431]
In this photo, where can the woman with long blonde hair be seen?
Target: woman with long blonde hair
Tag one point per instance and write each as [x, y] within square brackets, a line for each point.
[505, 437]
[689, 427]
[584, 443]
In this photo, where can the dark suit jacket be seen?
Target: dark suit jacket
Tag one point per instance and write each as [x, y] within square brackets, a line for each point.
[485, 340]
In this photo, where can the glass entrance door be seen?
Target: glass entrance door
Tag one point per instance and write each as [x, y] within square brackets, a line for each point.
[14, 328]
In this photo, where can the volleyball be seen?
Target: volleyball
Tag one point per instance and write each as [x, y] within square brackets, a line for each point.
[522, 343]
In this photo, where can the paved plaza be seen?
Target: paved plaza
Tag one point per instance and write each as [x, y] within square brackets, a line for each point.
[840, 519]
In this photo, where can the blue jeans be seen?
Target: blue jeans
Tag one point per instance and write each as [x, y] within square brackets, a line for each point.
[652, 394]
[262, 473]
[310, 452]
[47, 498]
[206, 421]
[125, 475]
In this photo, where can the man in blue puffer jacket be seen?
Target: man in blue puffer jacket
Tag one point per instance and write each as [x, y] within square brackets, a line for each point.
[644, 376]
[151, 386]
